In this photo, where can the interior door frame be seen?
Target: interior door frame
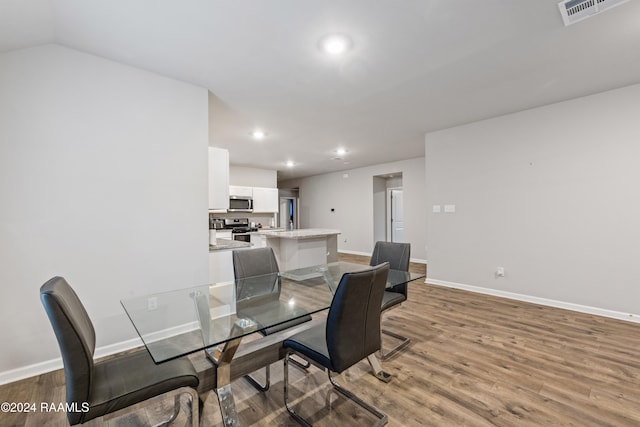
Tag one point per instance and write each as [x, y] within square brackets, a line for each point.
[389, 219]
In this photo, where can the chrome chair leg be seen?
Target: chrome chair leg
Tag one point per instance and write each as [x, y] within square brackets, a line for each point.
[404, 341]
[256, 384]
[382, 417]
[303, 366]
[176, 411]
[194, 403]
[286, 395]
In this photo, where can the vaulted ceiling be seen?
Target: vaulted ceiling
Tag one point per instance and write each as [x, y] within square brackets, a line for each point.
[414, 66]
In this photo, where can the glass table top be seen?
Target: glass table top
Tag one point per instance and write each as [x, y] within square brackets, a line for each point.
[179, 322]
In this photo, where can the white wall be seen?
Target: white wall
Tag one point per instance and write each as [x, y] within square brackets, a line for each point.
[353, 201]
[252, 177]
[103, 180]
[550, 194]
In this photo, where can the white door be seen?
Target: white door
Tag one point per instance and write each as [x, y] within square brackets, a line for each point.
[397, 216]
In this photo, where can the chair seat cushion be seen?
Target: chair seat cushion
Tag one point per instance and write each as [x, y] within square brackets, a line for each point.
[391, 299]
[312, 343]
[132, 378]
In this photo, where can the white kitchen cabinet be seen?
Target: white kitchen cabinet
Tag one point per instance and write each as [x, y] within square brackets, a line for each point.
[265, 200]
[218, 179]
[236, 190]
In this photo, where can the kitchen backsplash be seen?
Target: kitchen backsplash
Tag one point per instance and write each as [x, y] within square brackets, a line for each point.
[265, 219]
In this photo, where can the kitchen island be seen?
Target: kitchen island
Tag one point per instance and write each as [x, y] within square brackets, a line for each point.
[304, 247]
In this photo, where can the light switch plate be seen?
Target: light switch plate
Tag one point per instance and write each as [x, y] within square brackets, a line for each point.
[436, 208]
[450, 208]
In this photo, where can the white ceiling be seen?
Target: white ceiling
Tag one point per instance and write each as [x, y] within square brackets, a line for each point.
[416, 65]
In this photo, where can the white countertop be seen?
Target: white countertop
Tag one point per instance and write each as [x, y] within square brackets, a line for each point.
[264, 230]
[303, 233]
[228, 244]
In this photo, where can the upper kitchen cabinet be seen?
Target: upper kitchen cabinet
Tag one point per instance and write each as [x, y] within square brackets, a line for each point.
[258, 184]
[236, 190]
[265, 200]
[218, 179]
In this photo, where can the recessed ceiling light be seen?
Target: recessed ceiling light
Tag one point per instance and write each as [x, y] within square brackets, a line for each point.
[341, 151]
[289, 163]
[335, 44]
[258, 134]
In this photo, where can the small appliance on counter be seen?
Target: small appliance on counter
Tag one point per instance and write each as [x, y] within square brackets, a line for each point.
[216, 223]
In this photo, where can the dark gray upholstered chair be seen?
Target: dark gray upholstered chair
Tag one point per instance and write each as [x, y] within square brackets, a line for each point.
[351, 332]
[397, 255]
[258, 262]
[97, 389]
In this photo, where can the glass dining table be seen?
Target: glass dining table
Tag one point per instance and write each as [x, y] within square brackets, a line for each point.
[216, 317]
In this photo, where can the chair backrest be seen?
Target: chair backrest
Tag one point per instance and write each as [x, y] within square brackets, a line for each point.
[250, 263]
[76, 339]
[353, 322]
[254, 262]
[396, 254]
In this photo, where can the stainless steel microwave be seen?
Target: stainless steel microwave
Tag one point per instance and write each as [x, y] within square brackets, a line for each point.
[240, 204]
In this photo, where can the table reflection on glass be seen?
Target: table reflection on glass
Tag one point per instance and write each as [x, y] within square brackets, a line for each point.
[216, 317]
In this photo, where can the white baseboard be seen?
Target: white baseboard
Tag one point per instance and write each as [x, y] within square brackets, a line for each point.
[29, 371]
[54, 364]
[368, 254]
[630, 317]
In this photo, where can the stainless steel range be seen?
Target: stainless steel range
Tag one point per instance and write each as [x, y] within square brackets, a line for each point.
[240, 229]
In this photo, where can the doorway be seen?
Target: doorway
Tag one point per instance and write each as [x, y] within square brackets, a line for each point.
[288, 217]
[395, 218]
[388, 208]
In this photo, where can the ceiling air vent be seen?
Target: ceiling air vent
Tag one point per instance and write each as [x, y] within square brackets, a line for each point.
[573, 11]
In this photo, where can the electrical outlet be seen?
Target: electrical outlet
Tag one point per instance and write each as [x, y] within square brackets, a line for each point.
[500, 272]
[152, 303]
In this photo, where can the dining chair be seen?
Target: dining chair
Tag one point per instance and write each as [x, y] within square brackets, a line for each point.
[350, 333]
[95, 389]
[249, 263]
[397, 255]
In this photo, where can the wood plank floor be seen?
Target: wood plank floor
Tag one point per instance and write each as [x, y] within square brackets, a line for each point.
[474, 360]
